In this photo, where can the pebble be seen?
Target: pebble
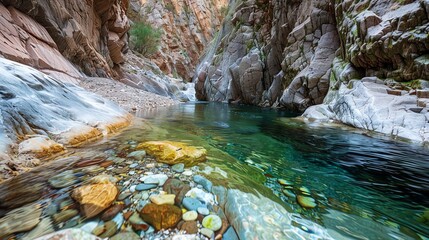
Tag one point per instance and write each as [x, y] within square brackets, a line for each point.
[188, 173]
[212, 222]
[192, 204]
[201, 195]
[207, 185]
[190, 216]
[179, 168]
[124, 195]
[143, 186]
[159, 179]
[132, 173]
[111, 212]
[134, 165]
[208, 233]
[137, 155]
[304, 190]
[64, 215]
[288, 193]
[109, 229]
[284, 182]
[203, 211]
[306, 202]
[133, 188]
[163, 199]
[51, 209]
[63, 179]
[145, 195]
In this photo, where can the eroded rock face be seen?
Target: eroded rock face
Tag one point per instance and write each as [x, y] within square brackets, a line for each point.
[188, 27]
[366, 104]
[44, 115]
[290, 46]
[284, 46]
[91, 34]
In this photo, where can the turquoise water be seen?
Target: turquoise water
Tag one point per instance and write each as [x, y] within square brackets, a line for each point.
[365, 187]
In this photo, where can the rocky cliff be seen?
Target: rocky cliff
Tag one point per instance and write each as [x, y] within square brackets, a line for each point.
[91, 34]
[282, 52]
[188, 26]
[291, 53]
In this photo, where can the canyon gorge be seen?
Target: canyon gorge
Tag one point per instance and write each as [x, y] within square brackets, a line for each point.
[234, 125]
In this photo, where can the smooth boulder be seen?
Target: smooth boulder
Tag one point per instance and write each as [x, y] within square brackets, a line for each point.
[174, 152]
[94, 198]
[161, 216]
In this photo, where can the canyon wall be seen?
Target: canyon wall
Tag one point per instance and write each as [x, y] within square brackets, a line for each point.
[281, 53]
[187, 27]
[91, 34]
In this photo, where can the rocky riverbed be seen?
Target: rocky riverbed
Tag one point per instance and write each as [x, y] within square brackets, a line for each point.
[124, 194]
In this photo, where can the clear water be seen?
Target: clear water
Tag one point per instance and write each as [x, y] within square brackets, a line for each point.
[365, 187]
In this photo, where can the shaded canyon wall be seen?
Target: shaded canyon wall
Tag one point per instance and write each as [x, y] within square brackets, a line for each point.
[281, 53]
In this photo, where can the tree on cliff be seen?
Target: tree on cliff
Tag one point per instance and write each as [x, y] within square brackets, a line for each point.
[145, 39]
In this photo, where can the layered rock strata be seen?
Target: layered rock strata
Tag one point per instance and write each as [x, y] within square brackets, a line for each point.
[91, 34]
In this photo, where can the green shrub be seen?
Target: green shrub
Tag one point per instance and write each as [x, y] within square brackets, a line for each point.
[145, 39]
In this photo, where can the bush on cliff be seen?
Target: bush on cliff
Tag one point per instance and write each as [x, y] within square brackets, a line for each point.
[145, 39]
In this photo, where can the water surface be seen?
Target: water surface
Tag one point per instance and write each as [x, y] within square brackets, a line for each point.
[365, 187]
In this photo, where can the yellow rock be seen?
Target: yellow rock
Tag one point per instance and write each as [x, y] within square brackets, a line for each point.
[174, 152]
[94, 198]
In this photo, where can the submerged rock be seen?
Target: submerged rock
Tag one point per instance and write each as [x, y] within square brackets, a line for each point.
[174, 152]
[63, 179]
[212, 222]
[64, 215]
[306, 202]
[94, 198]
[179, 168]
[163, 199]
[137, 155]
[161, 216]
[126, 235]
[190, 227]
[176, 187]
[69, 234]
[112, 211]
[207, 185]
[190, 216]
[20, 220]
[43, 228]
[192, 204]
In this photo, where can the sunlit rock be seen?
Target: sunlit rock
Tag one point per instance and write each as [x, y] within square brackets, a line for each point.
[94, 198]
[161, 216]
[174, 152]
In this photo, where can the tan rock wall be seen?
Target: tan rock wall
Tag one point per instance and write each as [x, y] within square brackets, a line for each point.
[91, 34]
[188, 27]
